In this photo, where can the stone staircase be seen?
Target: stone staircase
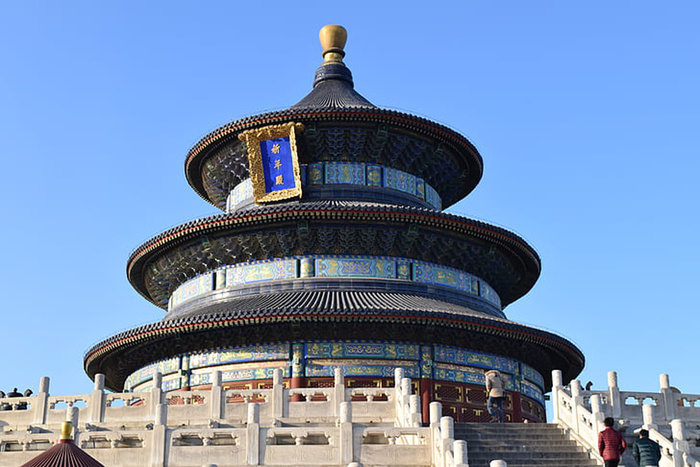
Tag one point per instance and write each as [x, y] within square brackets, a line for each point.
[521, 444]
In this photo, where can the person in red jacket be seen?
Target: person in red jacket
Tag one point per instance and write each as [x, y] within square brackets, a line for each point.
[611, 444]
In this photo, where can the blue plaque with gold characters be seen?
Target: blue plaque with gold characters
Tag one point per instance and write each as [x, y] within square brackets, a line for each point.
[273, 161]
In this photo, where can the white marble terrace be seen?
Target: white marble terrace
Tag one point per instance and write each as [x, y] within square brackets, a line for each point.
[334, 426]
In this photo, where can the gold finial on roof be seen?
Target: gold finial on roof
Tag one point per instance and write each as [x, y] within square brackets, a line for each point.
[333, 38]
[66, 430]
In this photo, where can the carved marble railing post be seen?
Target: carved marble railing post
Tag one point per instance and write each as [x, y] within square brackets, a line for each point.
[253, 434]
[156, 392]
[398, 400]
[648, 417]
[415, 410]
[159, 436]
[447, 427]
[160, 422]
[404, 416]
[680, 445]
[614, 394]
[72, 416]
[160, 418]
[97, 400]
[339, 388]
[447, 435]
[669, 398]
[598, 414]
[460, 447]
[557, 386]
[346, 438]
[216, 400]
[279, 404]
[405, 390]
[42, 401]
[576, 403]
[435, 415]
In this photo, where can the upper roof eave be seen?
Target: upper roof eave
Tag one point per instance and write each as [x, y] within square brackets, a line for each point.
[441, 133]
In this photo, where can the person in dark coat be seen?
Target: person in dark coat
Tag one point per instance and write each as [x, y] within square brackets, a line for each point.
[646, 452]
[611, 444]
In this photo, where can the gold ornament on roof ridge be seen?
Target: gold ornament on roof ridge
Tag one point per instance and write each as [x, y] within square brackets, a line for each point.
[333, 38]
[66, 430]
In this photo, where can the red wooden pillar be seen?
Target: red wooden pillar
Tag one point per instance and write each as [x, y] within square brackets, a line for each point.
[517, 406]
[425, 384]
[425, 387]
[298, 370]
[297, 382]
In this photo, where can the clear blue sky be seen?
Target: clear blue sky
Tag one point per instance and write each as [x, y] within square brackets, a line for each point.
[586, 115]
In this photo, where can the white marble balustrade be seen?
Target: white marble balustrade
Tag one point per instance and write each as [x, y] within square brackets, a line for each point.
[276, 426]
[671, 417]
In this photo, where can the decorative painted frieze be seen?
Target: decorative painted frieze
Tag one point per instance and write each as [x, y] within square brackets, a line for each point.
[320, 369]
[355, 267]
[475, 359]
[334, 266]
[532, 375]
[348, 173]
[262, 271]
[362, 350]
[345, 173]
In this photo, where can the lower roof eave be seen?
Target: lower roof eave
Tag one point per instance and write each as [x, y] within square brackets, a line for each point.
[124, 353]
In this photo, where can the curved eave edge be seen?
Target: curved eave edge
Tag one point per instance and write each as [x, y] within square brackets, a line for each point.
[223, 134]
[184, 232]
[144, 334]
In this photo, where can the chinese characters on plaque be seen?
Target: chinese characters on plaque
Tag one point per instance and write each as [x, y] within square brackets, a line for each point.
[273, 162]
[278, 164]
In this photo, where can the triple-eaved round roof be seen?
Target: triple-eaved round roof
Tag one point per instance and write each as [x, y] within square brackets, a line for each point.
[339, 125]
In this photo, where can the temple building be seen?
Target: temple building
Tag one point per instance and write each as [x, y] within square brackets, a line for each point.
[335, 315]
[334, 251]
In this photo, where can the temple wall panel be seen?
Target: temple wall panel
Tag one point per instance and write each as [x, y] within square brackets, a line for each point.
[454, 375]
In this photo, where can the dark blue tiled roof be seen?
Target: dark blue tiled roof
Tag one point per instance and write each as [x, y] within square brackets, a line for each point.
[333, 88]
[328, 302]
